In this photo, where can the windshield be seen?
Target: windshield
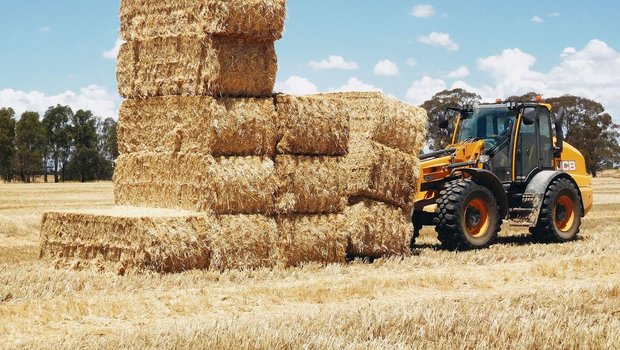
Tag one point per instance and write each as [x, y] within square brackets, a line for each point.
[491, 124]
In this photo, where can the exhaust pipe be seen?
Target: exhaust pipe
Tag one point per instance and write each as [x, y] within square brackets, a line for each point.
[559, 132]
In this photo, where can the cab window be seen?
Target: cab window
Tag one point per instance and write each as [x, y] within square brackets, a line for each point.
[546, 138]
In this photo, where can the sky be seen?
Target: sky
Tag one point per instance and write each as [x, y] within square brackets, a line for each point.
[63, 51]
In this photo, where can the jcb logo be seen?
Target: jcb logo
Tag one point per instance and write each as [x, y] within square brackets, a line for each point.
[567, 165]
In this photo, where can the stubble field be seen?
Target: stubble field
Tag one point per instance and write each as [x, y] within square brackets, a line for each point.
[516, 294]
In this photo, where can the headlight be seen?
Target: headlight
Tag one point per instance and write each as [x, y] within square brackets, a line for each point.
[485, 159]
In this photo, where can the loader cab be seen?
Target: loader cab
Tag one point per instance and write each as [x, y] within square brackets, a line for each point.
[518, 139]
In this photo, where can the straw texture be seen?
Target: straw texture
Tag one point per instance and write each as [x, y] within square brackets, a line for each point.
[196, 65]
[124, 239]
[311, 238]
[243, 242]
[381, 173]
[310, 185]
[313, 125]
[256, 19]
[377, 229]
[198, 124]
[223, 185]
[384, 120]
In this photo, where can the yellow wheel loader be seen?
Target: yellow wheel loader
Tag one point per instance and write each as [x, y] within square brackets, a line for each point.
[506, 162]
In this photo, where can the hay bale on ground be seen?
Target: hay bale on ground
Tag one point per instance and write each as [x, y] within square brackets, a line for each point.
[377, 229]
[196, 65]
[223, 185]
[385, 120]
[381, 173]
[260, 20]
[198, 124]
[311, 238]
[310, 185]
[127, 239]
[313, 125]
[243, 242]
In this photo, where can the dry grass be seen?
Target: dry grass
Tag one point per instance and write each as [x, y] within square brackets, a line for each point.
[514, 295]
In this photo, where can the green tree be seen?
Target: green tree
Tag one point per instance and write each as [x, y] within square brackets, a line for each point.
[529, 97]
[56, 124]
[590, 129]
[438, 138]
[30, 145]
[108, 148]
[84, 137]
[7, 143]
[108, 139]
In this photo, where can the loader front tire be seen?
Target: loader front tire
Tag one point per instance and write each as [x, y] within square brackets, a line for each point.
[467, 216]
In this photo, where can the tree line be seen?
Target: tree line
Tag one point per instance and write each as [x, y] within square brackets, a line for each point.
[62, 145]
[587, 126]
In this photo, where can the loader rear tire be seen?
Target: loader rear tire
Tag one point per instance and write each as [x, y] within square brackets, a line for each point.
[560, 215]
[467, 216]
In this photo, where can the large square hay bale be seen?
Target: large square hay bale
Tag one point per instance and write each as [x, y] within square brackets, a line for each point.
[313, 125]
[124, 239]
[243, 242]
[198, 124]
[377, 229]
[257, 19]
[385, 120]
[223, 185]
[381, 173]
[196, 65]
[311, 238]
[310, 185]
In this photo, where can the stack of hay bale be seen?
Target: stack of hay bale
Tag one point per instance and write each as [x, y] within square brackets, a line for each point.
[234, 176]
[197, 129]
[373, 142]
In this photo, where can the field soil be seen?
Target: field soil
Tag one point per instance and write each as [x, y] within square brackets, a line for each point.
[516, 294]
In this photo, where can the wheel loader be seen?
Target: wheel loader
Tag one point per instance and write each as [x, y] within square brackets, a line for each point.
[507, 162]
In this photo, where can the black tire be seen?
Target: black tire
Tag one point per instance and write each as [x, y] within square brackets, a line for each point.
[560, 215]
[456, 215]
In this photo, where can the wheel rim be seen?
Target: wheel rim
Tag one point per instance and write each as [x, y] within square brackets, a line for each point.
[564, 213]
[477, 218]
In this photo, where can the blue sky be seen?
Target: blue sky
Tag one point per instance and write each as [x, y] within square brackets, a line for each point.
[53, 51]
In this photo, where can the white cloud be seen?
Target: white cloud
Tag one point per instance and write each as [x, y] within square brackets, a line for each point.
[510, 67]
[93, 97]
[334, 62]
[439, 39]
[554, 14]
[423, 89]
[113, 52]
[460, 72]
[354, 84]
[411, 62]
[422, 11]
[536, 19]
[592, 72]
[297, 86]
[568, 51]
[386, 68]
[45, 29]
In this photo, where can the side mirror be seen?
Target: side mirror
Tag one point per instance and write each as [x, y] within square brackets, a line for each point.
[444, 123]
[529, 116]
[559, 133]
